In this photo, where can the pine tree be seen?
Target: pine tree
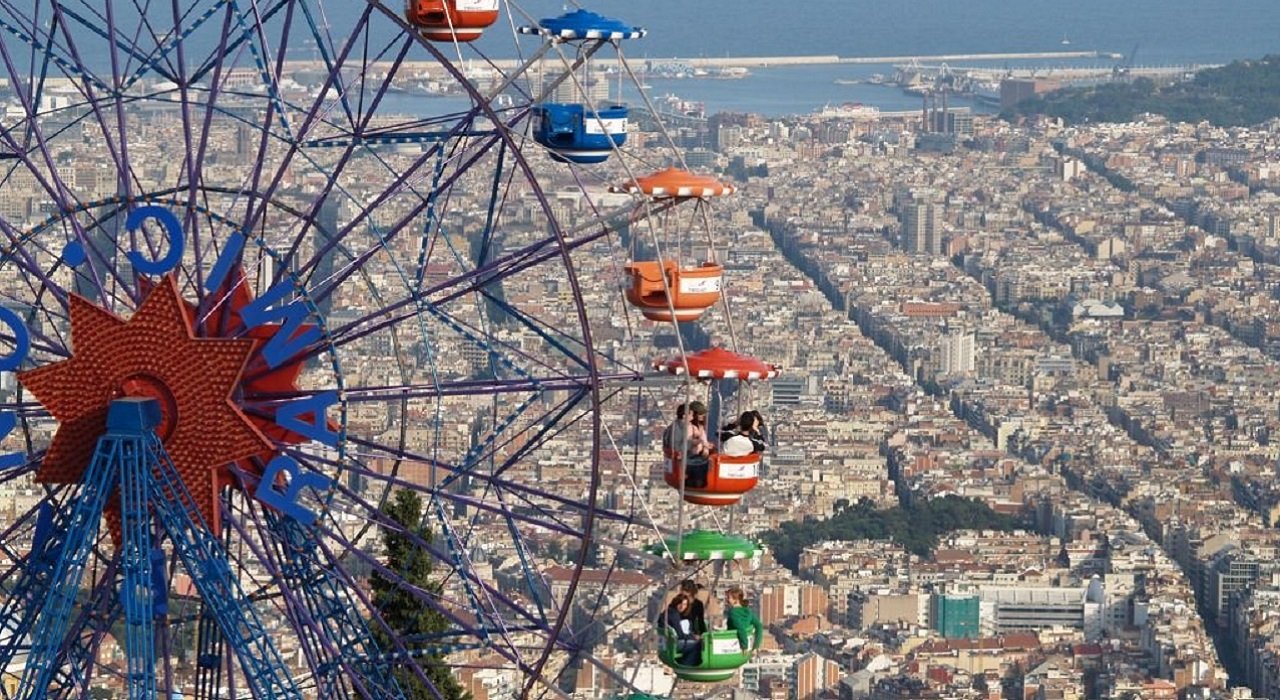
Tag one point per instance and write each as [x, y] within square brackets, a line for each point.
[402, 612]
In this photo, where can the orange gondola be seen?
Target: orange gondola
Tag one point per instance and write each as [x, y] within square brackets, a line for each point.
[729, 476]
[451, 20]
[665, 290]
[693, 289]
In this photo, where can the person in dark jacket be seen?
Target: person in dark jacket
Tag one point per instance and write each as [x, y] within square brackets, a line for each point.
[678, 620]
[697, 609]
[743, 620]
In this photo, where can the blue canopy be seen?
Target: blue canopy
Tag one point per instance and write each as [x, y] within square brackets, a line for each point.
[584, 24]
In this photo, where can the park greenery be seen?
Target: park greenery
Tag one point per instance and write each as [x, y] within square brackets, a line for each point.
[1239, 94]
[916, 527]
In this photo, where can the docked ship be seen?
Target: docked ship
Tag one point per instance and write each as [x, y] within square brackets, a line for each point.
[848, 110]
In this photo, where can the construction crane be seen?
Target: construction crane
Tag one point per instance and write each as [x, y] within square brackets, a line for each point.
[1125, 67]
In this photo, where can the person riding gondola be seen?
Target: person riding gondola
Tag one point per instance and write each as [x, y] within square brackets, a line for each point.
[740, 618]
[697, 604]
[678, 619]
[744, 436]
[690, 429]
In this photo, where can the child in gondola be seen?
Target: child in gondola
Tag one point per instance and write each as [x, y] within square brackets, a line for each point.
[743, 620]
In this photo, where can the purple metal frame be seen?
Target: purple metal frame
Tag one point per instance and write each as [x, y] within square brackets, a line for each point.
[197, 119]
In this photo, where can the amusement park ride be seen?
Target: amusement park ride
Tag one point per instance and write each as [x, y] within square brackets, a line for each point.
[236, 316]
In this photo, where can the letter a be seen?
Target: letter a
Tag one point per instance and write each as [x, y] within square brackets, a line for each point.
[286, 501]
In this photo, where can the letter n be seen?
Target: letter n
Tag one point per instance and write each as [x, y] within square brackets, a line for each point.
[293, 336]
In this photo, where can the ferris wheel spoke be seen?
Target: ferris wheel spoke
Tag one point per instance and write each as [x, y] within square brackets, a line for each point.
[308, 599]
[306, 565]
[397, 312]
[526, 494]
[95, 24]
[51, 184]
[233, 40]
[42, 342]
[461, 499]
[487, 601]
[509, 649]
[334, 172]
[339, 239]
[298, 136]
[131, 46]
[454, 472]
[485, 451]
[405, 650]
[253, 179]
[28, 31]
[93, 249]
[118, 150]
[356, 118]
[405, 222]
[197, 146]
[261, 53]
[171, 42]
[461, 387]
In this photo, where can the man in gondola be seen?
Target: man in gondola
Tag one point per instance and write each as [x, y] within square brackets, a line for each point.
[690, 429]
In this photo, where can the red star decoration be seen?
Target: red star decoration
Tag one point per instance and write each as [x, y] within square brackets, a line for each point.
[225, 320]
[157, 354]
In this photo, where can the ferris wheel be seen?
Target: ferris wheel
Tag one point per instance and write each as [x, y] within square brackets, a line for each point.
[298, 364]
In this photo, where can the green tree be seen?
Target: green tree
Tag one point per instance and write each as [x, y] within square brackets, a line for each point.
[916, 528]
[401, 610]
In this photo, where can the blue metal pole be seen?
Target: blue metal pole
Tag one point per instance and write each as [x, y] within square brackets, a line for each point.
[82, 530]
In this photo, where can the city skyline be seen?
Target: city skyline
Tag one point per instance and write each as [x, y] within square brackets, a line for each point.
[414, 343]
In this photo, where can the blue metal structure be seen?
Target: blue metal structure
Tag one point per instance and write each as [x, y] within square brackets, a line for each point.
[582, 24]
[130, 458]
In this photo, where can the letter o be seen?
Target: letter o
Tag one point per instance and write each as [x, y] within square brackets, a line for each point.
[173, 230]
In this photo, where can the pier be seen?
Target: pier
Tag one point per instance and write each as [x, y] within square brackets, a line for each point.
[813, 60]
[765, 61]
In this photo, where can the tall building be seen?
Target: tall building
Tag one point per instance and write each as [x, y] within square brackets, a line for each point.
[325, 229]
[787, 391]
[813, 675]
[104, 254]
[954, 616]
[1015, 609]
[778, 603]
[921, 227]
[1015, 90]
[956, 353]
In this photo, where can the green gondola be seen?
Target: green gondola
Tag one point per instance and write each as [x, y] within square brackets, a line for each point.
[706, 545]
[722, 655]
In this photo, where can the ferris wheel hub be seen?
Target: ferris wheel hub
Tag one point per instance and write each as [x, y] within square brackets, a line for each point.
[145, 385]
[156, 355]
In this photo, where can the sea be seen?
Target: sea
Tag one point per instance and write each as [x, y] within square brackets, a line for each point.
[1152, 32]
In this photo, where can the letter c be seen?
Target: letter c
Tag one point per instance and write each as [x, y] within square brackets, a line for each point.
[21, 340]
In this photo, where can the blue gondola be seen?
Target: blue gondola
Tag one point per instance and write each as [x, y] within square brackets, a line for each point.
[575, 134]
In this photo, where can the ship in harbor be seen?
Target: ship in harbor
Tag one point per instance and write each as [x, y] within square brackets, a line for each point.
[848, 110]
